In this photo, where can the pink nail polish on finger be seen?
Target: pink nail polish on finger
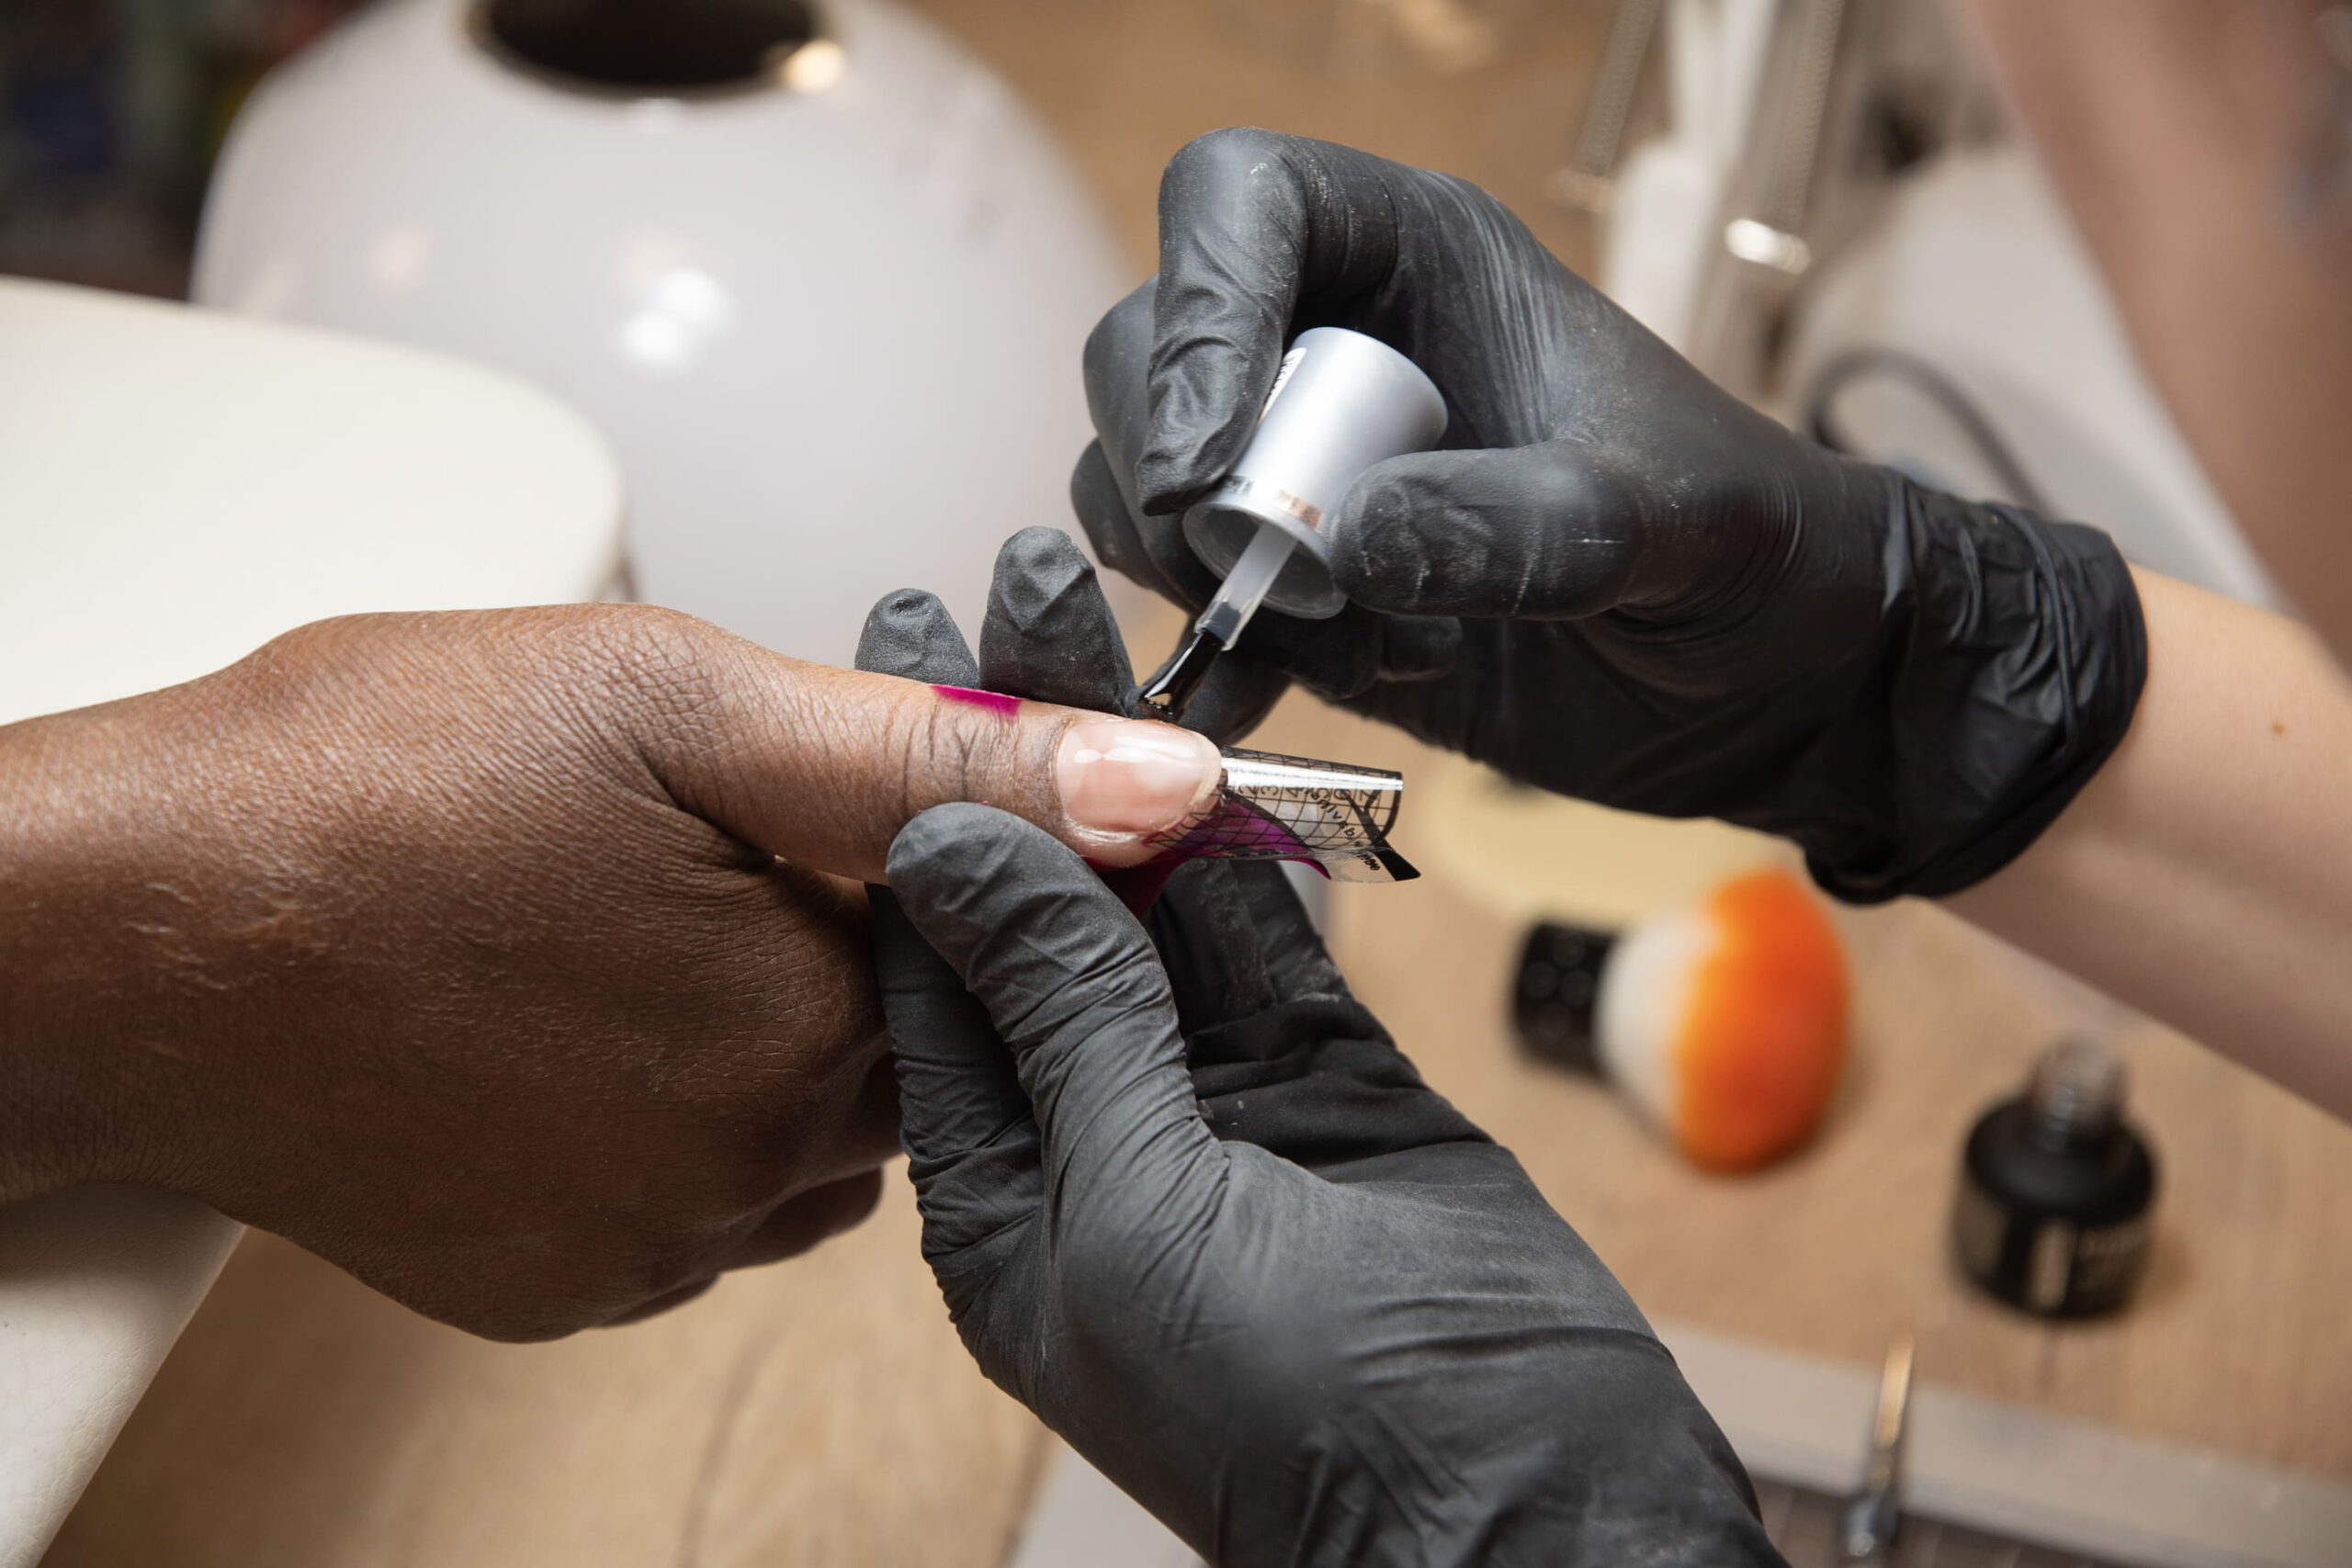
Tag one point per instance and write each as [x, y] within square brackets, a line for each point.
[997, 702]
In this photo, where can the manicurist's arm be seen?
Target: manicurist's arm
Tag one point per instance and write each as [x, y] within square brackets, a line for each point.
[2200, 151]
[1618, 582]
[2205, 874]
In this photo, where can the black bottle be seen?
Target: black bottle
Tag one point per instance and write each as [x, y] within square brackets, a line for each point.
[2056, 1190]
[1556, 993]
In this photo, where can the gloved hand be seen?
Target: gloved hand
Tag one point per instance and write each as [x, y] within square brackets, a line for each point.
[1617, 582]
[1291, 1300]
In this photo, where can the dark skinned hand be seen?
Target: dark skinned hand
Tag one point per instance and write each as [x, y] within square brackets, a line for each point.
[457, 947]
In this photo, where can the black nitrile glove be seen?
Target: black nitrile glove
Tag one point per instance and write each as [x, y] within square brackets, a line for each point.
[1290, 1299]
[1049, 636]
[1618, 582]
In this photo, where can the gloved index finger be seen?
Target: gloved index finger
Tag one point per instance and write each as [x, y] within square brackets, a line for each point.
[1521, 533]
[1250, 222]
[1049, 634]
[1156, 555]
[910, 634]
[962, 1115]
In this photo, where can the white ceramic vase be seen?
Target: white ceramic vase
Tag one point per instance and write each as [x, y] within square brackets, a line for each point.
[830, 317]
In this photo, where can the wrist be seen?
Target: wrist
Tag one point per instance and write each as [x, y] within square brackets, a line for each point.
[2010, 661]
[65, 1087]
[1600, 1456]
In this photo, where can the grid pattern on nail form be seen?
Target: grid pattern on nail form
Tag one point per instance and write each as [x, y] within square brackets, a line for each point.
[1275, 807]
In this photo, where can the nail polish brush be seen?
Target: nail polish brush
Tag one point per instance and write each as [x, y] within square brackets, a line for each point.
[1340, 402]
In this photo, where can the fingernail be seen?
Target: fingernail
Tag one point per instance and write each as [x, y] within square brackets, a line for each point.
[1134, 777]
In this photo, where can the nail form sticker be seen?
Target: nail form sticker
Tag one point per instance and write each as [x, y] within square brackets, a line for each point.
[1332, 815]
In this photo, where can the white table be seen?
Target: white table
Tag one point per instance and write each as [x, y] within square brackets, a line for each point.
[176, 487]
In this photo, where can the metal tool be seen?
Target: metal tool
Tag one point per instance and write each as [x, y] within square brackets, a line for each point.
[1775, 236]
[1873, 1514]
[1588, 183]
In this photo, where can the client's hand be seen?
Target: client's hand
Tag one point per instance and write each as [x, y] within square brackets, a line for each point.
[456, 949]
[1290, 1299]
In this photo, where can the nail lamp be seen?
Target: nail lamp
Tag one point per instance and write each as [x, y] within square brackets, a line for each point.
[1724, 1020]
[814, 272]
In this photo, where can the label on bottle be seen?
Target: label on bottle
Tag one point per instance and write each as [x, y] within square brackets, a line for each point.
[2045, 1264]
[2050, 1266]
[2107, 1262]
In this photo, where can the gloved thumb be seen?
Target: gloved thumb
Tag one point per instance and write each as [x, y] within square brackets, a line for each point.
[1071, 983]
[1525, 531]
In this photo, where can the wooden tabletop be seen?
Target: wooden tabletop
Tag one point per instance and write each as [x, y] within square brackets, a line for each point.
[2240, 1336]
[818, 1412]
